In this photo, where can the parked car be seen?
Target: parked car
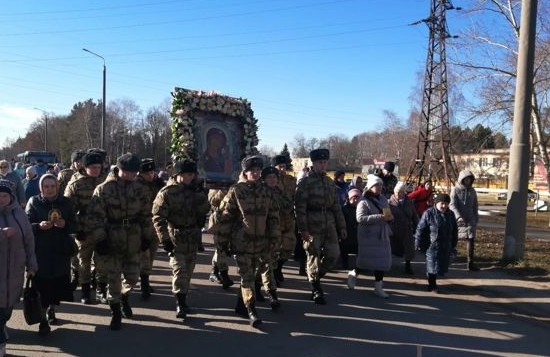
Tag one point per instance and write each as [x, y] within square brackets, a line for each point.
[531, 195]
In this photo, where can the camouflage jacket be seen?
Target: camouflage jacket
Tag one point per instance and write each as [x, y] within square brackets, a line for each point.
[118, 211]
[179, 209]
[317, 209]
[152, 188]
[79, 191]
[286, 209]
[64, 177]
[250, 217]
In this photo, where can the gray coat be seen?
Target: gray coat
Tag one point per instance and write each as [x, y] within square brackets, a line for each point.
[464, 205]
[16, 253]
[373, 235]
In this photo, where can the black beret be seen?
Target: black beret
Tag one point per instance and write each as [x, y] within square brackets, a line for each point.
[77, 155]
[147, 165]
[442, 197]
[92, 158]
[252, 161]
[268, 171]
[184, 166]
[319, 154]
[280, 160]
[389, 166]
[129, 162]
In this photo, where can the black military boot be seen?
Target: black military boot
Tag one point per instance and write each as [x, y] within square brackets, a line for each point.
[101, 293]
[258, 290]
[432, 283]
[85, 299]
[278, 272]
[215, 275]
[225, 280]
[317, 294]
[254, 320]
[145, 286]
[116, 317]
[240, 308]
[273, 300]
[181, 308]
[125, 306]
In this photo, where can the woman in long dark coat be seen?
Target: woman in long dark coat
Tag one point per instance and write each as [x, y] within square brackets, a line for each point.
[437, 236]
[52, 218]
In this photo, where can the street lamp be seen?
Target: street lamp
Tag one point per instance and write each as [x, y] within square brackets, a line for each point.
[45, 127]
[103, 109]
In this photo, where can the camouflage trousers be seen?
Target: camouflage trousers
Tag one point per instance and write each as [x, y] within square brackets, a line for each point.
[322, 254]
[288, 244]
[221, 260]
[147, 258]
[122, 270]
[183, 265]
[87, 262]
[266, 271]
[248, 267]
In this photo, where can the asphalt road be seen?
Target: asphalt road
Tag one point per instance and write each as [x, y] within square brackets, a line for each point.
[478, 315]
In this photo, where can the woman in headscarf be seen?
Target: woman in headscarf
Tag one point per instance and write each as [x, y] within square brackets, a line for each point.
[52, 219]
[16, 255]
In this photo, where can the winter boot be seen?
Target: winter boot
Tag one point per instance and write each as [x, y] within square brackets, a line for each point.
[116, 317]
[254, 320]
[225, 280]
[470, 248]
[125, 306]
[273, 300]
[240, 308]
[85, 299]
[44, 328]
[50, 315]
[278, 272]
[432, 283]
[145, 287]
[408, 268]
[101, 293]
[181, 309]
[317, 294]
[215, 275]
[379, 291]
[258, 290]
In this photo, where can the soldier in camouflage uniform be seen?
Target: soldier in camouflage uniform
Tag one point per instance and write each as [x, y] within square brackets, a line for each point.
[287, 186]
[250, 229]
[179, 213]
[65, 175]
[320, 221]
[121, 225]
[220, 260]
[80, 191]
[148, 177]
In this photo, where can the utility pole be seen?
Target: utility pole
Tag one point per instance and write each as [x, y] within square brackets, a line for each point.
[518, 175]
[45, 127]
[434, 158]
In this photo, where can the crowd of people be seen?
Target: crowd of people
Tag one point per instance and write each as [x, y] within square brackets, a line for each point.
[99, 229]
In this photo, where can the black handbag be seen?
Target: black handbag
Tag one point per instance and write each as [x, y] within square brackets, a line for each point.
[32, 307]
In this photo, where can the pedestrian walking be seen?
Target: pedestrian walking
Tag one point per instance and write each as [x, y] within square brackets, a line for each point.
[220, 259]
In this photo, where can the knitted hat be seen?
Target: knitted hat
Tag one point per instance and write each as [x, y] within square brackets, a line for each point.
[399, 187]
[92, 158]
[147, 165]
[442, 197]
[269, 171]
[184, 166]
[251, 162]
[6, 186]
[389, 166]
[319, 154]
[373, 180]
[354, 192]
[129, 162]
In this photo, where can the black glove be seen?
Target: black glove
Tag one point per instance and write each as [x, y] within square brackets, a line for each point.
[168, 246]
[145, 244]
[102, 247]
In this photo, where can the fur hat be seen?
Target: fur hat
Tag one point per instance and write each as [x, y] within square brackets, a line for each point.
[389, 166]
[184, 166]
[250, 162]
[99, 151]
[442, 197]
[77, 155]
[280, 160]
[268, 171]
[129, 162]
[373, 180]
[319, 154]
[147, 165]
[6, 186]
[92, 158]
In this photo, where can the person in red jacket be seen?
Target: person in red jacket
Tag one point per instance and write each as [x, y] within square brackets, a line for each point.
[422, 197]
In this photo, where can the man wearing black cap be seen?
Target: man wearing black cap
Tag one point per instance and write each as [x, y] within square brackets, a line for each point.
[179, 213]
[65, 175]
[287, 185]
[250, 230]
[388, 178]
[121, 225]
[148, 178]
[79, 191]
[320, 221]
